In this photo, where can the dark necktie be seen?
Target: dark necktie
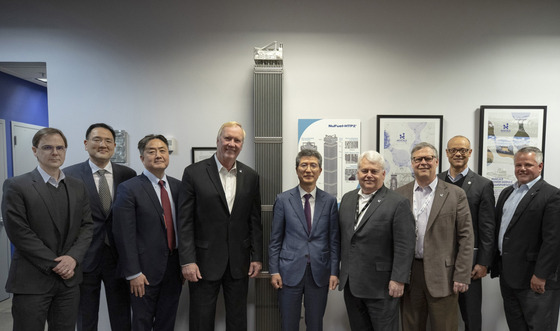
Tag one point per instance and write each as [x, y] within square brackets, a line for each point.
[307, 211]
[167, 216]
[104, 192]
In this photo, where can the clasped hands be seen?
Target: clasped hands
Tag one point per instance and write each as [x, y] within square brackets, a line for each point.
[65, 267]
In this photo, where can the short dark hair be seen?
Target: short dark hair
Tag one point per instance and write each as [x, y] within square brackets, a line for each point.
[46, 132]
[310, 153]
[144, 141]
[100, 125]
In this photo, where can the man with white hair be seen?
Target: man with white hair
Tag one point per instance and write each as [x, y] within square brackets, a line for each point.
[377, 239]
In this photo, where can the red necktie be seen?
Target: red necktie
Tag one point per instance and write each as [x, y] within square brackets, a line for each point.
[168, 216]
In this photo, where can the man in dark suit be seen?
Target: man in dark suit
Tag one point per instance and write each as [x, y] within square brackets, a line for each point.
[304, 249]
[377, 237]
[221, 239]
[146, 212]
[444, 246]
[101, 177]
[48, 220]
[528, 246]
[480, 195]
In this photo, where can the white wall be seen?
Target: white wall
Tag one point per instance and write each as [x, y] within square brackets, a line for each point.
[181, 68]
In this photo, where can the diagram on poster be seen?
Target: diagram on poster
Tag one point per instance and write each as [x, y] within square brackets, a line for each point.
[338, 141]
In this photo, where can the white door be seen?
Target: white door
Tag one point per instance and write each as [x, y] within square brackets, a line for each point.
[22, 135]
[4, 243]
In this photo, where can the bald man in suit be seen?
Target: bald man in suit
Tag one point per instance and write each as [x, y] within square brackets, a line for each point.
[480, 195]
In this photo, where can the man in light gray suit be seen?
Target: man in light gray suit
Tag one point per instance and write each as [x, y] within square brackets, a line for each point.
[377, 239]
[444, 246]
[480, 195]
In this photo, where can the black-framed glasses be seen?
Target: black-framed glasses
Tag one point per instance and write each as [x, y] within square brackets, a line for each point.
[419, 159]
[463, 151]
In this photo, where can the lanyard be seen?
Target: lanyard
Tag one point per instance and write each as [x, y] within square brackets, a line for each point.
[424, 205]
[358, 211]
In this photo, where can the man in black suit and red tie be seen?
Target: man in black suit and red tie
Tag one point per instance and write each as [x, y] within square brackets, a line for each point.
[101, 178]
[528, 246]
[221, 237]
[48, 220]
[145, 217]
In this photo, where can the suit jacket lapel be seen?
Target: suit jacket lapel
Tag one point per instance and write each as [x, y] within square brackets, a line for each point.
[212, 170]
[467, 183]
[440, 195]
[87, 178]
[72, 196]
[318, 210]
[149, 188]
[41, 188]
[524, 203]
[377, 200]
[295, 201]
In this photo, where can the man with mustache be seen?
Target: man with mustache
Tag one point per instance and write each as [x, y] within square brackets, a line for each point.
[444, 246]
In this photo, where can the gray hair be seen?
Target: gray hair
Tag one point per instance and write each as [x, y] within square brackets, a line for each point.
[422, 145]
[531, 149]
[373, 157]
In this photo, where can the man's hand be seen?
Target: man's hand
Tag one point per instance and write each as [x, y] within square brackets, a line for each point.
[538, 284]
[191, 272]
[479, 271]
[254, 269]
[137, 285]
[333, 282]
[396, 289]
[276, 281]
[65, 267]
[460, 287]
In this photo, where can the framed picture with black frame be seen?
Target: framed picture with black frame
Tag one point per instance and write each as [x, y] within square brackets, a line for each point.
[397, 135]
[503, 131]
[202, 153]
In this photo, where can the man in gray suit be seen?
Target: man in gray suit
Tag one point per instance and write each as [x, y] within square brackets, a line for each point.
[444, 246]
[377, 238]
[480, 195]
[47, 218]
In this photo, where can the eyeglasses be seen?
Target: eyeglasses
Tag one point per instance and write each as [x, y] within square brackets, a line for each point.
[50, 148]
[313, 166]
[463, 151]
[419, 159]
[98, 141]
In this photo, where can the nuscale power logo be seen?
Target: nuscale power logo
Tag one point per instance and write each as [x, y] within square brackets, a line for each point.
[402, 137]
[505, 128]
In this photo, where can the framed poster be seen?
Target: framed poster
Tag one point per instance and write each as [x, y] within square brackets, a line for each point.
[503, 131]
[338, 141]
[202, 153]
[397, 135]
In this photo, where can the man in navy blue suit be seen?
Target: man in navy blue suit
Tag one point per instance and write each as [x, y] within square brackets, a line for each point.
[101, 178]
[146, 213]
[304, 247]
